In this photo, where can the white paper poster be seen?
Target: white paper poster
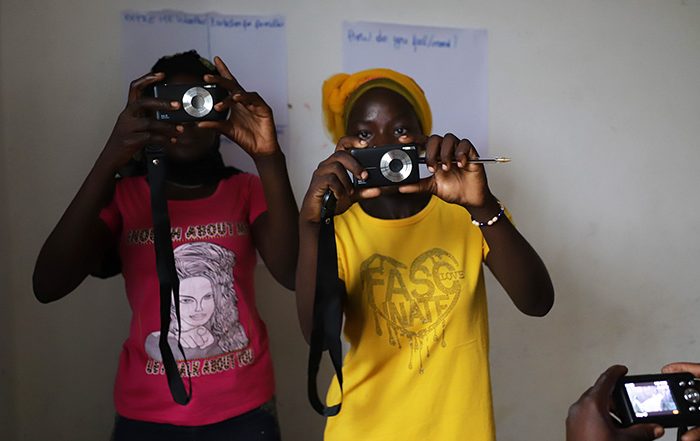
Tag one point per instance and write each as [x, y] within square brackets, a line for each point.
[449, 64]
[253, 47]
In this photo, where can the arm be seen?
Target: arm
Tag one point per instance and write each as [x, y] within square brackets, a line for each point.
[79, 240]
[276, 231]
[514, 263]
[512, 260]
[78, 243]
[251, 125]
[589, 417]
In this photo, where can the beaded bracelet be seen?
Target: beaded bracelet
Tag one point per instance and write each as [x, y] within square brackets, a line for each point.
[491, 221]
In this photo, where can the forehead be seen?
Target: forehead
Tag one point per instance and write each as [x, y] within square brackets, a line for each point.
[195, 285]
[380, 101]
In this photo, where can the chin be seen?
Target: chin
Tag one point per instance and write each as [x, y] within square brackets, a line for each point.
[184, 153]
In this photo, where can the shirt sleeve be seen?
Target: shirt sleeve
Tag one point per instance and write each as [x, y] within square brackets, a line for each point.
[258, 204]
[112, 217]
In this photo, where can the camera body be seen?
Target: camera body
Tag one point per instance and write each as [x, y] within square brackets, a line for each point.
[670, 400]
[387, 165]
[196, 102]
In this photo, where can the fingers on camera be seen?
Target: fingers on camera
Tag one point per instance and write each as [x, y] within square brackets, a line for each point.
[442, 151]
[333, 175]
[248, 99]
[693, 368]
[138, 85]
[432, 152]
[607, 380]
[424, 185]
[332, 182]
[350, 142]
[347, 162]
[146, 105]
[225, 72]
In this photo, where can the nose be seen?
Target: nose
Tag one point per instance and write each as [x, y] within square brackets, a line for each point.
[383, 138]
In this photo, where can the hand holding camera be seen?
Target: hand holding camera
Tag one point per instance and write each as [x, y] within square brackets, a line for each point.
[333, 173]
[250, 122]
[135, 127]
[454, 179]
[589, 417]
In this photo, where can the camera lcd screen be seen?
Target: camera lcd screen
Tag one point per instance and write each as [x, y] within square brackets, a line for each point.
[651, 399]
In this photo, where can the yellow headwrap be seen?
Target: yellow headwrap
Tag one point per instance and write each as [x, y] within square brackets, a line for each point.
[342, 90]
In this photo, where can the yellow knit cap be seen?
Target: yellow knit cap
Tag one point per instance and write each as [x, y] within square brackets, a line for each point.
[342, 90]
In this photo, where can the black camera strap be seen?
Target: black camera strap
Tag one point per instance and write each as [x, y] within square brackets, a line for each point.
[167, 275]
[328, 309]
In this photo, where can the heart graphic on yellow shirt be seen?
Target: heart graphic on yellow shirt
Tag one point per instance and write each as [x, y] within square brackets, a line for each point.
[413, 300]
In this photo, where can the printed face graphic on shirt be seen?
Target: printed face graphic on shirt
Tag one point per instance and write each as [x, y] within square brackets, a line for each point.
[196, 302]
[412, 302]
[208, 305]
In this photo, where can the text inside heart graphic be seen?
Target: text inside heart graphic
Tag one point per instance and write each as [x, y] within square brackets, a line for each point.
[412, 301]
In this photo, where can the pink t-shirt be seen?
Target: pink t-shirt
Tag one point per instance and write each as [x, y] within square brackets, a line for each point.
[224, 339]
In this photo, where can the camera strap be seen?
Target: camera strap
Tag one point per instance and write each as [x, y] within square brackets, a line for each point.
[328, 309]
[167, 275]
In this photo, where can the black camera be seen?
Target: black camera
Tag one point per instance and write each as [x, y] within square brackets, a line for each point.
[196, 102]
[670, 400]
[388, 165]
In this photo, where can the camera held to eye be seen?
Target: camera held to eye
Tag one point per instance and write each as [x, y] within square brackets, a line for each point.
[671, 400]
[387, 165]
[196, 102]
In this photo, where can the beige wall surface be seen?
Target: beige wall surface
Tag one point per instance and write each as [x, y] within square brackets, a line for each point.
[7, 416]
[596, 101]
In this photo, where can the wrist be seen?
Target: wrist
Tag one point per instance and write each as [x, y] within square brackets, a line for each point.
[487, 214]
[489, 205]
[105, 167]
[272, 158]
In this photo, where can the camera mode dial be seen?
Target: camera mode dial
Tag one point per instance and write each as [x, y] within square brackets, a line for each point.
[691, 395]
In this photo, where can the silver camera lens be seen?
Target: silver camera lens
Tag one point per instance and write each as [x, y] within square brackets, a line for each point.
[197, 102]
[395, 165]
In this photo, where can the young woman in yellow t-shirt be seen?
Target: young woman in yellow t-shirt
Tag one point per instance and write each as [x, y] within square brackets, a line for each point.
[411, 258]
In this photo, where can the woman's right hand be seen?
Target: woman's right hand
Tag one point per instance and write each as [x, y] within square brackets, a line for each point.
[136, 126]
[332, 174]
[199, 337]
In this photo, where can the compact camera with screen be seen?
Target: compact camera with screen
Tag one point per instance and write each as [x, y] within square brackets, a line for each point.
[387, 165]
[196, 102]
[670, 400]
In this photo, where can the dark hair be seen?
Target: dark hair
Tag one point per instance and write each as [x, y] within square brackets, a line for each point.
[184, 63]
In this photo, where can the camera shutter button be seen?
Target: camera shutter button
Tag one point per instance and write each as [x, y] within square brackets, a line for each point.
[691, 395]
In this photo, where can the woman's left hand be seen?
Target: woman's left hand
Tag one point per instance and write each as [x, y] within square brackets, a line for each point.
[250, 123]
[453, 179]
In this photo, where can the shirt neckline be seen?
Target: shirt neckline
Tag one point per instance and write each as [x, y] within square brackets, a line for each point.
[394, 223]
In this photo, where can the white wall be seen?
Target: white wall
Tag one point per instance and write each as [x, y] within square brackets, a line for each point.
[596, 101]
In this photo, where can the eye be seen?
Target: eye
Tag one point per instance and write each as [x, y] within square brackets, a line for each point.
[364, 134]
[186, 300]
[400, 131]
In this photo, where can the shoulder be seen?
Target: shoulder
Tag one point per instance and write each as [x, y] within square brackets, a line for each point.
[241, 181]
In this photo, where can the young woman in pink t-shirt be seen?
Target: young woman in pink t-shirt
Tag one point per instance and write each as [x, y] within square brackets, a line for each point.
[220, 218]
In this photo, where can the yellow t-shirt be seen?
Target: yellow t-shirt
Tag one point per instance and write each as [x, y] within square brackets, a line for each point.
[416, 320]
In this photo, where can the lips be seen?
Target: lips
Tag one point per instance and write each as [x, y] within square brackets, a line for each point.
[198, 317]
